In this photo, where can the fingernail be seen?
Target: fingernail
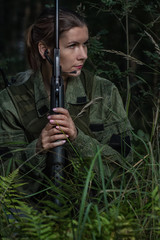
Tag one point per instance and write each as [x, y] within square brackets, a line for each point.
[49, 117]
[64, 141]
[54, 109]
[51, 121]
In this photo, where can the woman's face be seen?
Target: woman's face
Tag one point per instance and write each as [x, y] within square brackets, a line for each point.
[73, 50]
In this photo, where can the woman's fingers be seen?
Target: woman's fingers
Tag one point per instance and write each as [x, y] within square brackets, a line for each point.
[63, 122]
[59, 128]
[61, 111]
[56, 144]
[53, 142]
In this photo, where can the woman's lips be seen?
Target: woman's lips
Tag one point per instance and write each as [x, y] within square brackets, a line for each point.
[79, 67]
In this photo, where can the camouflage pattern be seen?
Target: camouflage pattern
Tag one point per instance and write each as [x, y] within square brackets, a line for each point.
[95, 106]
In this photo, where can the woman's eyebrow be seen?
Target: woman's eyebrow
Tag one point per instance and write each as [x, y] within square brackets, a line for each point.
[73, 42]
[76, 42]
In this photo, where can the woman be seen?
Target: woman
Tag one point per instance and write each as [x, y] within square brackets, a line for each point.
[93, 117]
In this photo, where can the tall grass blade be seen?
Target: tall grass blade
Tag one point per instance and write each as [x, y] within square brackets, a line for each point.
[102, 178]
[84, 196]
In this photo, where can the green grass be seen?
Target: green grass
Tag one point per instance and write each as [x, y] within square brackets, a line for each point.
[130, 210]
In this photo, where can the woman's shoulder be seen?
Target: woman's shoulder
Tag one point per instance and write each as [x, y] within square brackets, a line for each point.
[95, 78]
[97, 84]
[22, 77]
[18, 86]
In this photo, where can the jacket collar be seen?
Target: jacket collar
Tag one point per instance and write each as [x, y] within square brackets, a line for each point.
[75, 93]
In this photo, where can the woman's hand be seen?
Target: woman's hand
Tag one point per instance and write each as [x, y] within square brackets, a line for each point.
[63, 123]
[59, 128]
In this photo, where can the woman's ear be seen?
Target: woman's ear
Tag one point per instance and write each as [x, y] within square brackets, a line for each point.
[42, 48]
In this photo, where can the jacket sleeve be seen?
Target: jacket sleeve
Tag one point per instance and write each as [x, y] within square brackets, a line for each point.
[109, 129]
[15, 151]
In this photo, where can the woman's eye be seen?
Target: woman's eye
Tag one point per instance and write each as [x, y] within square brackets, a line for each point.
[72, 45]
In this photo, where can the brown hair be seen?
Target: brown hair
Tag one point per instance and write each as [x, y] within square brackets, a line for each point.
[43, 30]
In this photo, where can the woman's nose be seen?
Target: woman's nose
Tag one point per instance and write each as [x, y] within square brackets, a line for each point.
[83, 53]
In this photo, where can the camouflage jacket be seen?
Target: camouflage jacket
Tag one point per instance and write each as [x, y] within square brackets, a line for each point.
[95, 106]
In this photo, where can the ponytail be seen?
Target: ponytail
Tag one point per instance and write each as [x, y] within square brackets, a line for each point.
[32, 50]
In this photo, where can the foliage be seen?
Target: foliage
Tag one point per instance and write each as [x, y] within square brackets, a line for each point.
[133, 65]
[126, 211]
[30, 223]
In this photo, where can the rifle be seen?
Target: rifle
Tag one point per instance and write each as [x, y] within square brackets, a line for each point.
[56, 156]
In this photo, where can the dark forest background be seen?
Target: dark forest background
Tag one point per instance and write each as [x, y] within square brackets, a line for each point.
[124, 47]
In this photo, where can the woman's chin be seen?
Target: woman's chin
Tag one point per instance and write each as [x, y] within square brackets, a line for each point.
[74, 73]
[78, 72]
